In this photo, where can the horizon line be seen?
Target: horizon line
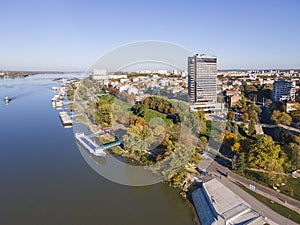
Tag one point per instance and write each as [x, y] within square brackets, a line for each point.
[82, 71]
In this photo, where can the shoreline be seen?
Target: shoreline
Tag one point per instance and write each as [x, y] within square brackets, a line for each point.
[23, 74]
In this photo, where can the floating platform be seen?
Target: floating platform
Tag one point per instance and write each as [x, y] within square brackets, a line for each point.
[93, 147]
[65, 119]
[90, 145]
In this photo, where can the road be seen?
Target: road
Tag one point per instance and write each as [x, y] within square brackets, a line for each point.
[255, 204]
[292, 129]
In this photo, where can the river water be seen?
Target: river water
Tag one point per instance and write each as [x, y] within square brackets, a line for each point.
[45, 180]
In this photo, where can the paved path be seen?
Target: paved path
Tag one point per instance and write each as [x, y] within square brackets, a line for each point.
[255, 204]
[290, 128]
[293, 129]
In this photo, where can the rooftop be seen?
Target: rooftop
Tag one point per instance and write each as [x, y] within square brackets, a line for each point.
[225, 202]
[216, 204]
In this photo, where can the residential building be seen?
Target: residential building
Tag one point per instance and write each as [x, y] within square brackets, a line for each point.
[234, 99]
[99, 74]
[283, 90]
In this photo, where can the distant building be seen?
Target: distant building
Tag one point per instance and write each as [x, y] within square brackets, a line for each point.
[202, 82]
[233, 99]
[283, 90]
[99, 74]
[162, 71]
[291, 106]
[102, 74]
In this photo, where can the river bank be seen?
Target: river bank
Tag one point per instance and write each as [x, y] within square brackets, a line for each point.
[23, 74]
[45, 179]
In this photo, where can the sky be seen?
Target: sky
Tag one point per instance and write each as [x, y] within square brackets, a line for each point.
[71, 35]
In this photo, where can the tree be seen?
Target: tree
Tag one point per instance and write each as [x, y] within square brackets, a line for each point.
[229, 139]
[161, 107]
[240, 163]
[245, 117]
[281, 117]
[103, 115]
[202, 120]
[139, 110]
[264, 94]
[236, 147]
[292, 151]
[245, 143]
[253, 115]
[265, 154]
[251, 127]
[230, 116]
[296, 116]
[255, 108]
[280, 106]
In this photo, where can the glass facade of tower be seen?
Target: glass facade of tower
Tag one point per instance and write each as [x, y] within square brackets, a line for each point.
[202, 79]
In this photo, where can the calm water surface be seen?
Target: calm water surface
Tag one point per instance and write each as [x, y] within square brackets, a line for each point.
[45, 180]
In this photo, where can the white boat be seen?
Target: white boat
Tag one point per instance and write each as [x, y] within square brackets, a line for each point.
[55, 88]
[6, 100]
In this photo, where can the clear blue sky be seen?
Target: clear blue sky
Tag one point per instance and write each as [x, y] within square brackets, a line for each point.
[65, 34]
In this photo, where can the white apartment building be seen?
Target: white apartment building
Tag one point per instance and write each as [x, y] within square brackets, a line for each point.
[284, 90]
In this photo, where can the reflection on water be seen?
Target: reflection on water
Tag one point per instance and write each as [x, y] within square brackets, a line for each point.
[45, 180]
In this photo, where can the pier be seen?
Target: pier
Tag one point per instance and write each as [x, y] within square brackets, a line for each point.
[65, 119]
[57, 100]
[93, 147]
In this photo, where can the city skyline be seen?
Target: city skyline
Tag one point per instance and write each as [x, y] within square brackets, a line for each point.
[65, 35]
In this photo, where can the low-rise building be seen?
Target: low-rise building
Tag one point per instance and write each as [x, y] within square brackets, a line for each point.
[233, 99]
[218, 205]
[291, 106]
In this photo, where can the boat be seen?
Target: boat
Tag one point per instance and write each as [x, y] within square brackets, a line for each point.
[55, 88]
[65, 119]
[7, 100]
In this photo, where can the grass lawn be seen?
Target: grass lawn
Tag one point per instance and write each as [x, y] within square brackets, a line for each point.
[280, 209]
[291, 187]
[150, 114]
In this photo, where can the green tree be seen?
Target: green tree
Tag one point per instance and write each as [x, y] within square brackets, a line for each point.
[103, 115]
[265, 154]
[230, 116]
[296, 116]
[281, 117]
[253, 115]
[139, 110]
[240, 163]
[251, 127]
[245, 117]
[280, 106]
[292, 151]
[255, 108]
